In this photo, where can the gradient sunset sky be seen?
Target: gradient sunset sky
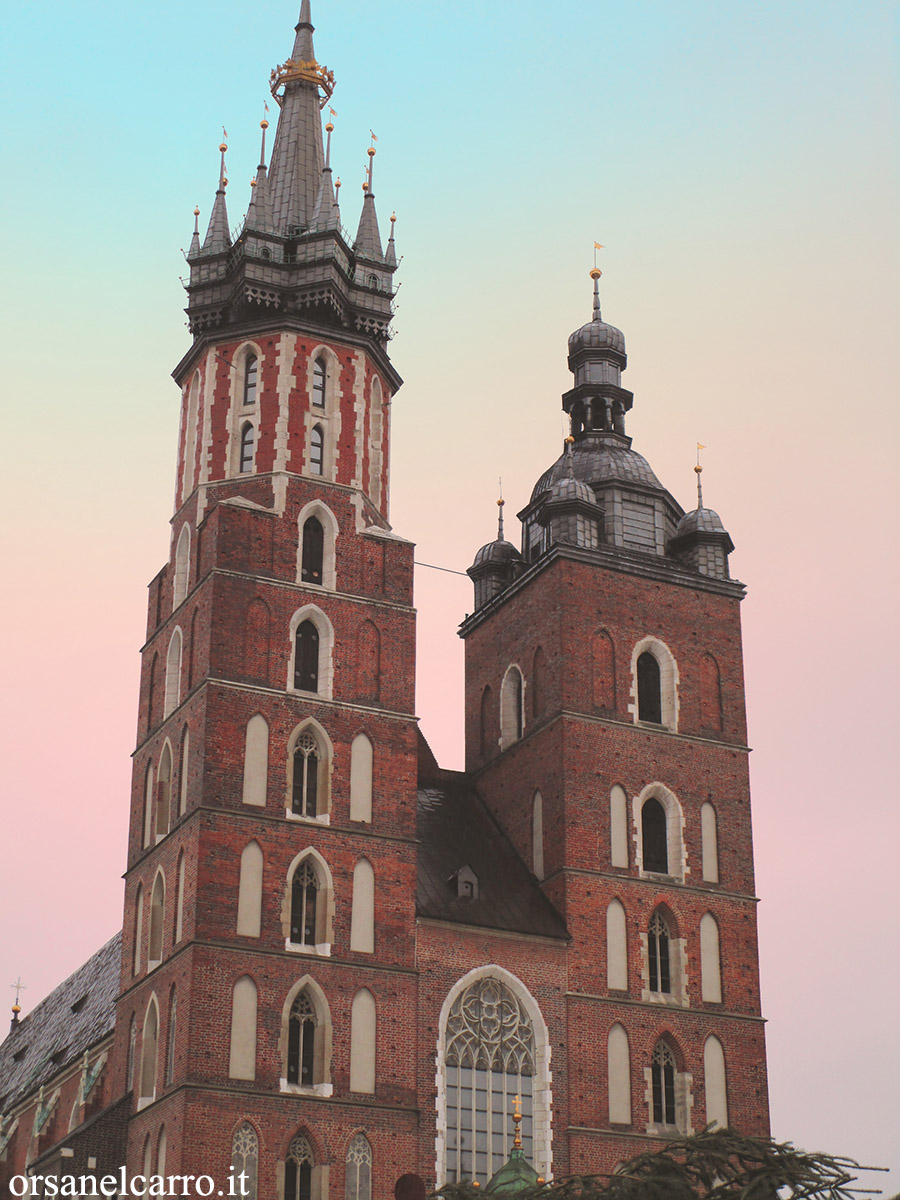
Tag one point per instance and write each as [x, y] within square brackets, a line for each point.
[738, 162]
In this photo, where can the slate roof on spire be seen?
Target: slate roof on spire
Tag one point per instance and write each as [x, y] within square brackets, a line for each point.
[368, 238]
[218, 237]
[295, 172]
[259, 214]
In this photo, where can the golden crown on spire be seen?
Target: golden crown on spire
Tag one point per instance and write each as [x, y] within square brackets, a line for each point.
[305, 70]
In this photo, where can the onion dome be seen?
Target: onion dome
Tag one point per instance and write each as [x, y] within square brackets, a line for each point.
[498, 551]
[570, 489]
[701, 541]
[496, 565]
[598, 463]
[700, 520]
[597, 335]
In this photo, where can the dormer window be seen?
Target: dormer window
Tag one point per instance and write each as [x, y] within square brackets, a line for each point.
[466, 883]
[318, 384]
[251, 369]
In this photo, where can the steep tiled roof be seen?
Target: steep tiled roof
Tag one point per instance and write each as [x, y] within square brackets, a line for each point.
[456, 830]
[74, 1017]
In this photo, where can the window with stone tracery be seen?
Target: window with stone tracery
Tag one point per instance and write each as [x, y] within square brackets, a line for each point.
[358, 1185]
[301, 1042]
[662, 1074]
[298, 1170]
[658, 955]
[305, 787]
[245, 1160]
[490, 1059]
[304, 901]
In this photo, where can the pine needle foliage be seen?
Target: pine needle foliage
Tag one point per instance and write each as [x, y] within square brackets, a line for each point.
[717, 1164]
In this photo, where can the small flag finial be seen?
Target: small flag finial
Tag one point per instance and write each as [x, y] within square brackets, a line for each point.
[699, 471]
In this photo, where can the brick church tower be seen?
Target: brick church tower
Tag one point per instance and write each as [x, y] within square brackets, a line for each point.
[342, 967]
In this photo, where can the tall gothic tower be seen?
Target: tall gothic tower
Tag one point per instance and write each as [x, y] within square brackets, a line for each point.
[267, 899]
[605, 729]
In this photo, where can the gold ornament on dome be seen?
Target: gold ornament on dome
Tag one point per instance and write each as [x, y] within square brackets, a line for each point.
[306, 71]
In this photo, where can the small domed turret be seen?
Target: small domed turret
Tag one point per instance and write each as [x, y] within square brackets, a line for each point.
[598, 402]
[496, 565]
[701, 541]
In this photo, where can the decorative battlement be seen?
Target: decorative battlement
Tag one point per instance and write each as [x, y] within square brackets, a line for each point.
[305, 72]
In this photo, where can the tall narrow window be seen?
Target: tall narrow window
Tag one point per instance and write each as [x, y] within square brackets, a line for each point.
[305, 789]
[242, 1056]
[306, 657]
[245, 1159]
[313, 551]
[173, 673]
[658, 955]
[157, 907]
[148, 1051]
[648, 688]
[316, 450]
[662, 1073]
[248, 437]
[304, 903]
[179, 902]
[298, 1170]
[710, 961]
[511, 707]
[490, 1059]
[138, 929]
[654, 839]
[164, 793]
[301, 1041]
[318, 383]
[363, 1039]
[173, 1024]
[362, 914]
[537, 835]
[132, 1043]
[251, 368]
[358, 1185]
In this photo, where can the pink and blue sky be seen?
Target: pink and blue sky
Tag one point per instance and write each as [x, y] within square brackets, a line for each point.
[738, 162]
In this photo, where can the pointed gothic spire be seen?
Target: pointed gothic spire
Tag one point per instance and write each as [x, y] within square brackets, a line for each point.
[259, 214]
[295, 174]
[195, 237]
[390, 255]
[323, 213]
[368, 239]
[218, 237]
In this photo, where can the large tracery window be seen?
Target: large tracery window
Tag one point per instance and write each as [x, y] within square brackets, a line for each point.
[359, 1169]
[304, 898]
[245, 1159]
[298, 1170]
[301, 1044]
[490, 1059]
[305, 787]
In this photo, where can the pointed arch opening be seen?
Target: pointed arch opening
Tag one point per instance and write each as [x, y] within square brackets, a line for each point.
[317, 540]
[710, 960]
[138, 930]
[149, 1054]
[245, 1159]
[173, 672]
[311, 667]
[250, 891]
[157, 917]
[618, 1061]
[317, 450]
[164, 793]
[361, 774]
[512, 706]
[654, 688]
[659, 828]
[309, 762]
[247, 446]
[306, 1039]
[362, 916]
[182, 566]
[251, 378]
[537, 835]
[358, 1169]
[308, 909]
[242, 1054]
[363, 1040]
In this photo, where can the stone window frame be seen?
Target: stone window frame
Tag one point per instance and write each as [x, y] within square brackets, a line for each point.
[326, 765]
[157, 921]
[322, 1085]
[543, 1077]
[512, 724]
[181, 577]
[678, 995]
[146, 1098]
[319, 509]
[325, 630]
[684, 1100]
[172, 691]
[357, 1192]
[668, 683]
[324, 905]
[241, 415]
[679, 870]
[252, 1183]
[327, 417]
[319, 1172]
[157, 833]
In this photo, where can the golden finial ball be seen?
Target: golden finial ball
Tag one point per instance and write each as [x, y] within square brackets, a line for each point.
[329, 128]
[570, 440]
[223, 146]
[16, 1009]
[371, 152]
[393, 217]
[595, 272]
[698, 469]
[337, 182]
[224, 181]
[253, 183]
[264, 124]
[500, 502]
[196, 212]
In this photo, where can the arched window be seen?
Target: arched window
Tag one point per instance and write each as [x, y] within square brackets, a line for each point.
[305, 783]
[161, 1145]
[301, 1048]
[183, 770]
[710, 961]
[319, 378]
[149, 1044]
[251, 369]
[132, 1044]
[654, 837]
[648, 689]
[242, 1056]
[313, 551]
[182, 566]
[138, 929]
[714, 1079]
[662, 1075]
[152, 690]
[658, 939]
[173, 673]
[305, 889]
[490, 1059]
[148, 806]
[173, 1025]
[306, 657]
[248, 438]
[363, 1039]
[316, 450]
[512, 713]
[245, 1160]
[164, 793]
[157, 909]
[358, 1176]
[298, 1167]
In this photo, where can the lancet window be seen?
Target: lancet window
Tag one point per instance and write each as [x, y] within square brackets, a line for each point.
[318, 383]
[301, 1042]
[306, 657]
[649, 689]
[305, 788]
[298, 1170]
[248, 437]
[658, 955]
[662, 1075]
[358, 1184]
[245, 1159]
[313, 551]
[251, 368]
[304, 901]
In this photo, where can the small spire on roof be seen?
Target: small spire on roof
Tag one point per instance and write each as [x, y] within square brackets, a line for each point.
[699, 471]
[218, 237]
[259, 215]
[500, 503]
[368, 239]
[324, 214]
[390, 255]
[570, 442]
[18, 987]
[195, 237]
